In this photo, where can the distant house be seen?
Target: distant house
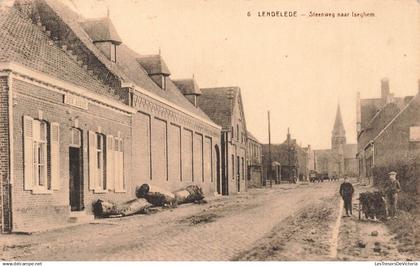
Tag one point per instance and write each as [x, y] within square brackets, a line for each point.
[288, 160]
[389, 135]
[254, 162]
[341, 158]
[224, 106]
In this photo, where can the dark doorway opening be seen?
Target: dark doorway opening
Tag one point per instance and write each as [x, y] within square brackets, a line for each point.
[217, 169]
[238, 172]
[76, 171]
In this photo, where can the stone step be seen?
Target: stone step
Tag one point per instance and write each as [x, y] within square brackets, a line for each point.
[80, 217]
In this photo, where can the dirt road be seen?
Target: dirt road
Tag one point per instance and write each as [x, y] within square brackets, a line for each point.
[220, 230]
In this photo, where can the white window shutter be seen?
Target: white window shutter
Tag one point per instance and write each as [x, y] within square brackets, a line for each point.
[110, 163]
[55, 155]
[93, 164]
[28, 142]
[119, 167]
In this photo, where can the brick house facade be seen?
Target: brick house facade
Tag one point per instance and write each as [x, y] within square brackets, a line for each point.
[390, 138]
[224, 106]
[254, 162]
[83, 117]
[288, 159]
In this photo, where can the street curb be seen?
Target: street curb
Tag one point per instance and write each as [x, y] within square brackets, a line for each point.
[335, 232]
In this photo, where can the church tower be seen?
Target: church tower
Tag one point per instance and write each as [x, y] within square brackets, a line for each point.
[338, 138]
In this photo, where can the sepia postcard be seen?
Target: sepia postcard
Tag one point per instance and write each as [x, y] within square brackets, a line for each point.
[210, 130]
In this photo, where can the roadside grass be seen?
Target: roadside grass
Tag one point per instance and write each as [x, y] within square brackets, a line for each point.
[406, 226]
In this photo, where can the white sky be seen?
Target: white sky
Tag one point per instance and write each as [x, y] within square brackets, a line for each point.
[299, 68]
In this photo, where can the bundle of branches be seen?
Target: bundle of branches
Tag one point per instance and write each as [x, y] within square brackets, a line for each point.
[373, 204]
[189, 194]
[155, 195]
[109, 209]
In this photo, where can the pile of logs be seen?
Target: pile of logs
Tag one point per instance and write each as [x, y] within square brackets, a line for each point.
[109, 209]
[148, 196]
[155, 195]
[373, 205]
[190, 194]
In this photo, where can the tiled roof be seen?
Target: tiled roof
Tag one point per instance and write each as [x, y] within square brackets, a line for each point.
[22, 41]
[101, 29]
[187, 86]
[128, 64]
[25, 43]
[72, 20]
[218, 104]
[153, 64]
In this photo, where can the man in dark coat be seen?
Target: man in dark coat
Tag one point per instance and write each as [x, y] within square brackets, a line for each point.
[346, 192]
[391, 192]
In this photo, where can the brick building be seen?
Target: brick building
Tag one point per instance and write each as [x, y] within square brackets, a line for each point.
[254, 162]
[84, 117]
[388, 134]
[224, 106]
[341, 158]
[288, 160]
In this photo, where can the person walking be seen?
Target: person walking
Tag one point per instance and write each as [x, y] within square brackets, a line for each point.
[392, 189]
[346, 192]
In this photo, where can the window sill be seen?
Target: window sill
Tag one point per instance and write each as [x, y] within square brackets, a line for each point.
[100, 191]
[41, 191]
[120, 191]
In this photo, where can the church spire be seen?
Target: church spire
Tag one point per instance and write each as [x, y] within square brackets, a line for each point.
[338, 129]
[338, 138]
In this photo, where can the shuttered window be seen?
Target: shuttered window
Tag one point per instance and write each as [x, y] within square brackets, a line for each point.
[55, 155]
[110, 163]
[119, 165]
[106, 163]
[41, 175]
[97, 162]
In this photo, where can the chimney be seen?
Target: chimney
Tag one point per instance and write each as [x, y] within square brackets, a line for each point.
[384, 89]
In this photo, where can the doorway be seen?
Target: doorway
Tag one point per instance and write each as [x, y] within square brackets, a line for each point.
[76, 170]
[216, 148]
[238, 173]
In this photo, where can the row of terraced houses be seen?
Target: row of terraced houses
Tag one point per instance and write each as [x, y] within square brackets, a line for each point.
[84, 117]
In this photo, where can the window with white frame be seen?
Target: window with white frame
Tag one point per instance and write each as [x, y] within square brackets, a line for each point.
[106, 163]
[40, 153]
[100, 161]
[41, 141]
[119, 165]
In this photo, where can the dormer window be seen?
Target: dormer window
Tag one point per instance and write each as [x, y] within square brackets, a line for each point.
[190, 89]
[156, 68]
[113, 53]
[103, 35]
[163, 82]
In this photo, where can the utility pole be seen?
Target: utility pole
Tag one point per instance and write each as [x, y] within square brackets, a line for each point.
[269, 151]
